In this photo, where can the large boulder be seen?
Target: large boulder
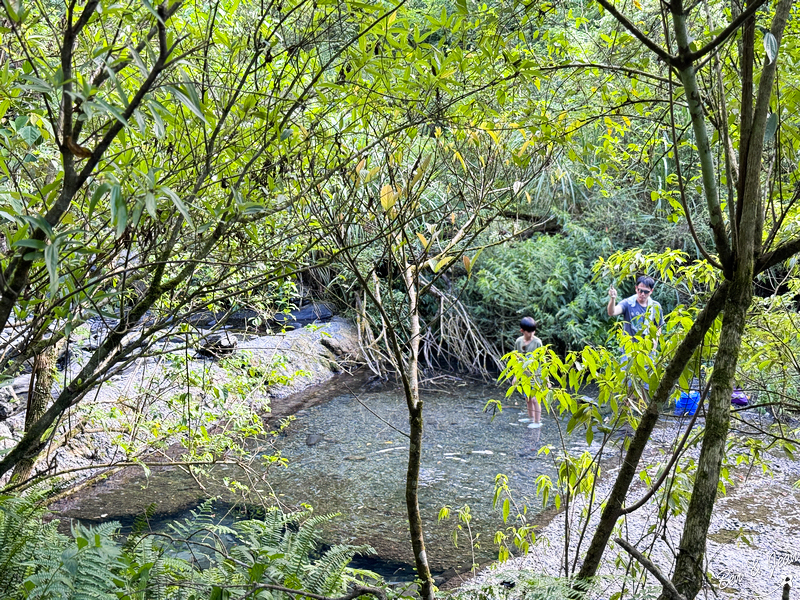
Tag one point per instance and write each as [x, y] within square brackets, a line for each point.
[307, 315]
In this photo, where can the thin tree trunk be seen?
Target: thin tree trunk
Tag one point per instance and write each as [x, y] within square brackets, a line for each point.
[415, 446]
[689, 567]
[683, 355]
[39, 396]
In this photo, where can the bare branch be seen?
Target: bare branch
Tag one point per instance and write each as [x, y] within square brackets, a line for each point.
[669, 589]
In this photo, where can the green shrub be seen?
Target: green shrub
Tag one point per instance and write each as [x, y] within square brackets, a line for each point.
[548, 278]
[24, 536]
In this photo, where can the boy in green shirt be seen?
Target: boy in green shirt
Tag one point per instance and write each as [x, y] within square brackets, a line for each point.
[528, 342]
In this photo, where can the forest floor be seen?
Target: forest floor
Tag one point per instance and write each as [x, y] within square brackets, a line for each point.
[753, 540]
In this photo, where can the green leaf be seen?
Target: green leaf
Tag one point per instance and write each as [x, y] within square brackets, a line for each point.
[158, 123]
[150, 204]
[771, 127]
[178, 203]
[51, 261]
[137, 59]
[186, 101]
[140, 122]
[98, 193]
[18, 16]
[30, 134]
[117, 113]
[119, 210]
[35, 244]
[770, 46]
[37, 221]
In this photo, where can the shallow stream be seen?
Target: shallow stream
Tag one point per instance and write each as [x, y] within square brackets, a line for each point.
[346, 455]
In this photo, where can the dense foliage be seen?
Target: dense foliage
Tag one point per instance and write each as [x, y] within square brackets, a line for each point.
[547, 277]
[198, 558]
[161, 161]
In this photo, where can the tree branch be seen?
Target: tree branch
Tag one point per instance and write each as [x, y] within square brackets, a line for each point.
[726, 33]
[777, 256]
[654, 488]
[637, 33]
[682, 188]
[605, 67]
[669, 589]
[688, 77]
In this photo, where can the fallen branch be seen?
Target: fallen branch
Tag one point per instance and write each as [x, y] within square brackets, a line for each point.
[669, 589]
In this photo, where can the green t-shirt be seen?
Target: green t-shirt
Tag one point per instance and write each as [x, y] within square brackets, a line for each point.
[520, 345]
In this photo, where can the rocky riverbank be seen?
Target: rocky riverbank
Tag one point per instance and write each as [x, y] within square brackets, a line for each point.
[753, 541]
[142, 405]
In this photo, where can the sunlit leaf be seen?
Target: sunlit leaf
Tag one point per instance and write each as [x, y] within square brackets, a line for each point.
[770, 46]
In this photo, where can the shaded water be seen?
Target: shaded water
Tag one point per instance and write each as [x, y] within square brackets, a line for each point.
[343, 458]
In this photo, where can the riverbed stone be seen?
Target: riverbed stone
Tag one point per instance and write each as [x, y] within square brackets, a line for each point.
[96, 429]
[752, 539]
[10, 403]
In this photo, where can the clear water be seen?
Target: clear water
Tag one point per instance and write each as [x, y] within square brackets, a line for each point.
[356, 465]
[344, 459]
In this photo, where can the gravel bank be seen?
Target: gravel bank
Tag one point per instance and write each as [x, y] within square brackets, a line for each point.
[753, 541]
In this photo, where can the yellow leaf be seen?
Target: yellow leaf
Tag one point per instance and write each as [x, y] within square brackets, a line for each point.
[372, 172]
[360, 166]
[387, 197]
[452, 218]
[420, 171]
[461, 160]
[467, 264]
[528, 196]
[443, 263]
[423, 240]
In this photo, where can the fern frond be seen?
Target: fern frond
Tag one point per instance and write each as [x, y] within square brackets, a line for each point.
[23, 537]
[326, 575]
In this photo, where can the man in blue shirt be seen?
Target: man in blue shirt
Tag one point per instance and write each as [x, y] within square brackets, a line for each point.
[640, 310]
[639, 313]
